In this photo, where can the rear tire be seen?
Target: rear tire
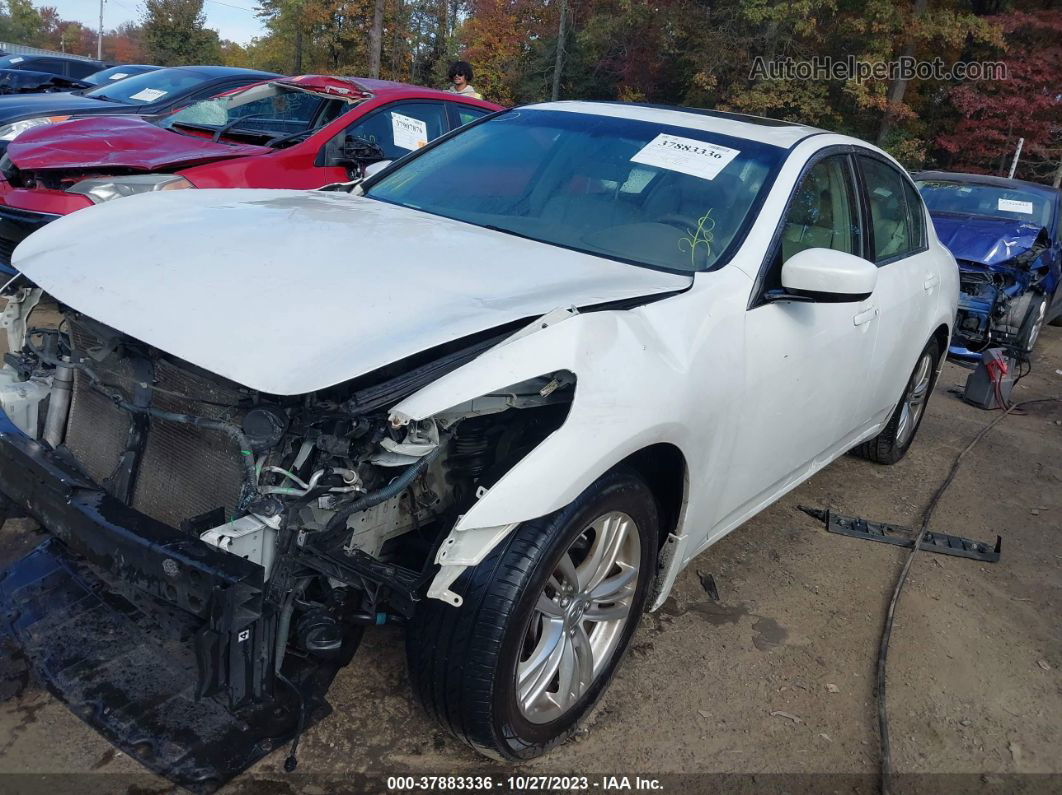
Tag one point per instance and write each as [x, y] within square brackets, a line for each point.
[520, 663]
[895, 439]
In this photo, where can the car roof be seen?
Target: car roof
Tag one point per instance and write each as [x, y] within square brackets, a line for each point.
[739, 125]
[224, 71]
[984, 179]
[36, 56]
[334, 84]
[381, 87]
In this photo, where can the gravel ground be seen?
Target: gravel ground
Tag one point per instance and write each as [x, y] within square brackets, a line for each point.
[772, 683]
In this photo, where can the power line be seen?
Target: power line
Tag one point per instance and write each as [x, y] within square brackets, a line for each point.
[229, 5]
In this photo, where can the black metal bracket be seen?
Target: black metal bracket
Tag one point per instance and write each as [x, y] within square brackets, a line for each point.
[942, 543]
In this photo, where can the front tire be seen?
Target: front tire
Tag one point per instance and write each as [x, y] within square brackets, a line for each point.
[545, 620]
[895, 439]
[1033, 325]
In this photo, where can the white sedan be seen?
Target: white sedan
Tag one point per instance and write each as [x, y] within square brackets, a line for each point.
[506, 388]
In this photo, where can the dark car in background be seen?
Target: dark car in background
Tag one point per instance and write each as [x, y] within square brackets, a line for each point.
[149, 94]
[113, 74]
[33, 73]
[1005, 235]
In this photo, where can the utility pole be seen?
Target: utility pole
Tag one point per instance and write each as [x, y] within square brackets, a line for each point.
[1014, 162]
[99, 38]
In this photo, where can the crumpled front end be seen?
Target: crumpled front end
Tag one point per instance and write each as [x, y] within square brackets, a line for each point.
[22, 81]
[216, 552]
[998, 291]
[992, 306]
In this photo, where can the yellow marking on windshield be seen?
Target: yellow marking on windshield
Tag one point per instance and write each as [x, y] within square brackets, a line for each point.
[701, 236]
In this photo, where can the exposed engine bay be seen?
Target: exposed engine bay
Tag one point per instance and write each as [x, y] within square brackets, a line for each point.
[995, 299]
[275, 527]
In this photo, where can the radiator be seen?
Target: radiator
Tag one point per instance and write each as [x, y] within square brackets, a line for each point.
[184, 472]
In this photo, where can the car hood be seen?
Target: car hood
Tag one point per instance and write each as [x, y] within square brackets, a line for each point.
[15, 107]
[116, 142]
[16, 80]
[289, 292]
[982, 239]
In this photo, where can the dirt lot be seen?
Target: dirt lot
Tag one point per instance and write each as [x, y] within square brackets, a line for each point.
[776, 677]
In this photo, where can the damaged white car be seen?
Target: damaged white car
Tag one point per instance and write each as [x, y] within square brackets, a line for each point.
[501, 392]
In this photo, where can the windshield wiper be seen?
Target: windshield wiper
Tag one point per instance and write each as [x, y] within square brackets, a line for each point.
[222, 130]
[280, 139]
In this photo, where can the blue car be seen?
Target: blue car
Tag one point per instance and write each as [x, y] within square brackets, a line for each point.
[1004, 234]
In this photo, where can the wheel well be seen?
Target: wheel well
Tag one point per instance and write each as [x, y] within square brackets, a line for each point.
[663, 468]
[941, 335]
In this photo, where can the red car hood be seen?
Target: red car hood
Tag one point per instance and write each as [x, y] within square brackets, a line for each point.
[118, 142]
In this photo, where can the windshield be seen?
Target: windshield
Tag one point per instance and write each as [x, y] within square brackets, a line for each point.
[148, 87]
[645, 193]
[113, 74]
[268, 111]
[1020, 204]
[16, 61]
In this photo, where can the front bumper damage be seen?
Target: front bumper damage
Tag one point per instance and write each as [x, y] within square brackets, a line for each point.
[160, 642]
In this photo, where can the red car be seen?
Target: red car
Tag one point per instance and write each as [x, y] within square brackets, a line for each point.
[292, 132]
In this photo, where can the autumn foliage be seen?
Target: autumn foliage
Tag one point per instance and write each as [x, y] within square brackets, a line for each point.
[685, 52]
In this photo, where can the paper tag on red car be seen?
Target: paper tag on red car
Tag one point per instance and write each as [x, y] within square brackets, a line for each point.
[409, 133]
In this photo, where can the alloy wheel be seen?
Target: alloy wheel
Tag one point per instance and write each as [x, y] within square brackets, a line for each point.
[578, 622]
[914, 401]
[1038, 324]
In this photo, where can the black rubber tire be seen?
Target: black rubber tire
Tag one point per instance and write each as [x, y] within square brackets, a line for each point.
[1032, 318]
[885, 448]
[462, 660]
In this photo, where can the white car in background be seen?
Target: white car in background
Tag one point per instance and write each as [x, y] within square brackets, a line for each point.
[507, 389]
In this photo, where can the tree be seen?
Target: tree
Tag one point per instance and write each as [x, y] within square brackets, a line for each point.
[993, 114]
[174, 33]
[376, 38]
[21, 24]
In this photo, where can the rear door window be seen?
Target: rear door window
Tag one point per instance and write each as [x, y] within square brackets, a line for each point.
[460, 115]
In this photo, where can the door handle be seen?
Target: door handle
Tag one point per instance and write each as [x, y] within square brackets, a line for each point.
[865, 316]
[932, 280]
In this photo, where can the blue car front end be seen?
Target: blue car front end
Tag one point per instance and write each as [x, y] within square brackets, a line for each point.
[1004, 265]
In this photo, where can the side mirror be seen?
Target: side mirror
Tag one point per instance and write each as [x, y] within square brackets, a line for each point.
[822, 274]
[376, 168]
[356, 153]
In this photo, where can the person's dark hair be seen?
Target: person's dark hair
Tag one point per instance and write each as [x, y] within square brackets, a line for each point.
[460, 68]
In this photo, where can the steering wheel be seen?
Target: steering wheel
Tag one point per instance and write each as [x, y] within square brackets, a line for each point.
[683, 222]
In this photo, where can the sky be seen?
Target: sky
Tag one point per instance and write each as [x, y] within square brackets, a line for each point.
[232, 19]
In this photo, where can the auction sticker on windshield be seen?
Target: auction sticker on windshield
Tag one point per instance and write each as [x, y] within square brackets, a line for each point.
[687, 155]
[409, 133]
[149, 94]
[1015, 206]
[119, 75]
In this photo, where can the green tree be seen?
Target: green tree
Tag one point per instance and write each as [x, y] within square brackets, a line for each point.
[174, 33]
[22, 24]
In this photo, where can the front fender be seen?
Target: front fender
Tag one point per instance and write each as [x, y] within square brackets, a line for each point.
[625, 399]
